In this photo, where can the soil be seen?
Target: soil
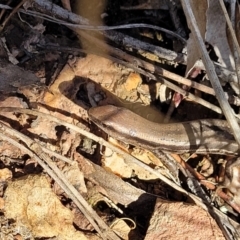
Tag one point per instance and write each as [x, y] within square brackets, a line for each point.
[62, 72]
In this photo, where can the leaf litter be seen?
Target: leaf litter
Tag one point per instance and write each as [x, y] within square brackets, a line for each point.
[122, 193]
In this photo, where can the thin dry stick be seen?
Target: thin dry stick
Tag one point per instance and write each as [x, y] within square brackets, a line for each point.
[134, 43]
[147, 74]
[12, 13]
[36, 152]
[146, 65]
[101, 141]
[153, 77]
[192, 97]
[168, 84]
[226, 108]
[104, 28]
[122, 39]
[58, 156]
[4, 10]
[137, 62]
[227, 221]
[94, 137]
[228, 112]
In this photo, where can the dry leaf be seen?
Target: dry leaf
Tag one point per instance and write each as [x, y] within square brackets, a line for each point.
[75, 177]
[12, 77]
[115, 188]
[216, 34]
[199, 9]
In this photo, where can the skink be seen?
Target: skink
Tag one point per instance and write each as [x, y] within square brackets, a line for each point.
[201, 136]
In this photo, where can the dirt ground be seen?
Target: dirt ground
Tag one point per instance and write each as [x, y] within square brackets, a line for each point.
[59, 178]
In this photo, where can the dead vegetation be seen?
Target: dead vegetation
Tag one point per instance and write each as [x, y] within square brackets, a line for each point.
[167, 61]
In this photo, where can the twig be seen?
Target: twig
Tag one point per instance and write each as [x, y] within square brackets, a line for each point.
[95, 138]
[36, 153]
[169, 85]
[192, 97]
[146, 65]
[126, 156]
[4, 9]
[104, 28]
[228, 199]
[228, 112]
[120, 38]
[149, 75]
[11, 14]
[58, 156]
[226, 108]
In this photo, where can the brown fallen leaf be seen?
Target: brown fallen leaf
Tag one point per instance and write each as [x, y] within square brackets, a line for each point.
[12, 77]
